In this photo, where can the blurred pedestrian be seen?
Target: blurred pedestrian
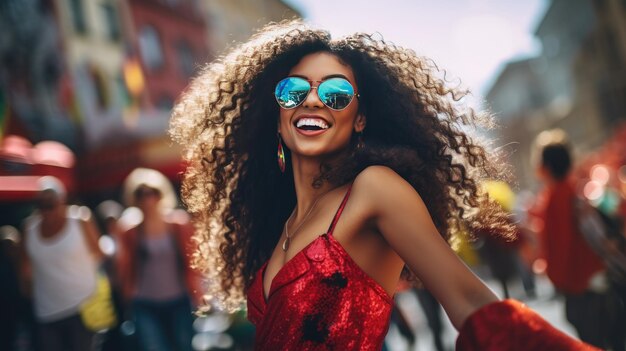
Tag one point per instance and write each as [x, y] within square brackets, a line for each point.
[432, 312]
[60, 257]
[153, 265]
[109, 212]
[374, 173]
[501, 253]
[398, 319]
[572, 266]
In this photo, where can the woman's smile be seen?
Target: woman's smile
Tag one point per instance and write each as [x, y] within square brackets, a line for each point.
[311, 125]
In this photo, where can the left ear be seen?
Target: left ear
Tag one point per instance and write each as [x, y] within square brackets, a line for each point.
[359, 123]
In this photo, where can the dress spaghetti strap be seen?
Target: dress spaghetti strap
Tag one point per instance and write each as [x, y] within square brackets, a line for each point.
[331, 228]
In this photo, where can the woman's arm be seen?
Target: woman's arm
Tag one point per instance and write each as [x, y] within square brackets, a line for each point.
[402, 218]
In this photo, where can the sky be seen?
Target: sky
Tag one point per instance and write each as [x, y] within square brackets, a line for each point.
[471, 39]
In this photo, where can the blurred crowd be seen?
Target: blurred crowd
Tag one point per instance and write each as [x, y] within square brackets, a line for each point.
[110, 279]
[119, 277]
[571, 231]
[115, 275]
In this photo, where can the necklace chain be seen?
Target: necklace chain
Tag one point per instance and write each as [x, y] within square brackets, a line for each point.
[306, 216]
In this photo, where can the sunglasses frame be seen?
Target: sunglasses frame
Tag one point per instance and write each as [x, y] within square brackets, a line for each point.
[311, 87]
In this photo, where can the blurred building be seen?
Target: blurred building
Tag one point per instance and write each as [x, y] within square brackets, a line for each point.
[164, 42]
[170, 37]
[34, 79]
[577, 83]
[233, 21]
[38, 126]
[100, 77]
[94, 53]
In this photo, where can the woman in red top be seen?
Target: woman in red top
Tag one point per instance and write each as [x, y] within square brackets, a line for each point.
[374, 173]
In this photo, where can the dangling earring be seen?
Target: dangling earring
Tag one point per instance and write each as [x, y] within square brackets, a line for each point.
[360, 144]
[281, 155]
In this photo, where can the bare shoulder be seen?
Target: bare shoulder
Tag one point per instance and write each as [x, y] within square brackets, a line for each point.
[376, 172]
[381, 186]
[381, 181]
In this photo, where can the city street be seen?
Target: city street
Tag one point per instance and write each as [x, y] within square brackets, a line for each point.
[549, 307]
[276, 165]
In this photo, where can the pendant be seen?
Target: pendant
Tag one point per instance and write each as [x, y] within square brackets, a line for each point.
[286, 244]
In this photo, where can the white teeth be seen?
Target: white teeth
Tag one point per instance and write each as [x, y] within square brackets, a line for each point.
[312, 122]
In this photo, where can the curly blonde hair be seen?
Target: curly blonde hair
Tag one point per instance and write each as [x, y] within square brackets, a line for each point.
[227, 119]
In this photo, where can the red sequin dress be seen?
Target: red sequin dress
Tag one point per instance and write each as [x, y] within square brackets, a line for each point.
[320, 300]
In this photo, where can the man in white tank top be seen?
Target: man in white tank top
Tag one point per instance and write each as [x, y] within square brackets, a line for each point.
[60, 259]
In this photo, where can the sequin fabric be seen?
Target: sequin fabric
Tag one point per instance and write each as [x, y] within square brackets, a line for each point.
[510, 325]
[320, 300]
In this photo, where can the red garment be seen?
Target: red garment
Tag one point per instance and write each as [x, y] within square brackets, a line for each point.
[127, 261]
[509, 325]
[571, 262]
[320, 300]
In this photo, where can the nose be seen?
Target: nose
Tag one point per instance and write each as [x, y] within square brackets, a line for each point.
[312, 100]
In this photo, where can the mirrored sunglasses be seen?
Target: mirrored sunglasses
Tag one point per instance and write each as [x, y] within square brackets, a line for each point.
[336, 93]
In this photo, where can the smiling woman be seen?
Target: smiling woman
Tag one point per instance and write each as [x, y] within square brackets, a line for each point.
[322, 123]
[374, 175]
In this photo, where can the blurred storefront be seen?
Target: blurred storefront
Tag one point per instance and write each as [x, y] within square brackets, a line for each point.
[170, 38]
[21, 165]
[34, 79]
[103, 171]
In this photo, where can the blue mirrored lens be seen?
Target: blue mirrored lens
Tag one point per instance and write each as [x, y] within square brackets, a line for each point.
[291, 91]
[336, 93]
